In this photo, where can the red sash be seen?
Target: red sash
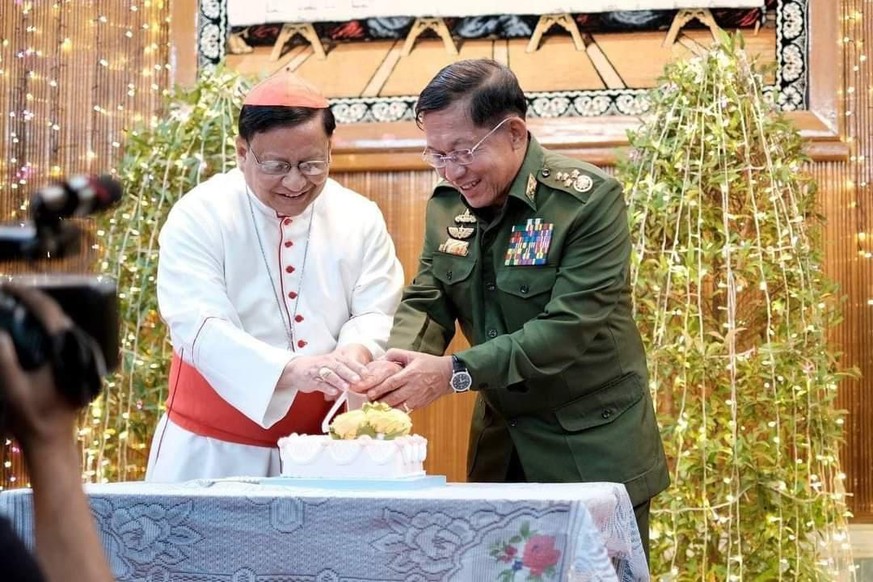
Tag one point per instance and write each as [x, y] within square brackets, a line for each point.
[195, 406]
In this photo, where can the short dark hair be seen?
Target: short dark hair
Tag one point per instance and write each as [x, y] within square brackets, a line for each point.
[492, 91]
[254, 119]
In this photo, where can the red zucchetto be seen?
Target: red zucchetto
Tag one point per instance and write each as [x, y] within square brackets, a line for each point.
[285, 89]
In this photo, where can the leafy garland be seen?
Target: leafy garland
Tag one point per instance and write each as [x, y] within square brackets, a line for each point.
[193, 140]
[735, 311]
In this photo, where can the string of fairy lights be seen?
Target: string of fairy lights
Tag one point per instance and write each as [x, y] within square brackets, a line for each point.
[857, 103]
[75, 76]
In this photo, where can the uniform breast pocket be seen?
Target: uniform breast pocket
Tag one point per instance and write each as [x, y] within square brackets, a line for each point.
[455, 273]
[524, 292]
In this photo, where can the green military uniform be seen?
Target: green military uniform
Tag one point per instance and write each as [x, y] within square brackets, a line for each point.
[541, 292]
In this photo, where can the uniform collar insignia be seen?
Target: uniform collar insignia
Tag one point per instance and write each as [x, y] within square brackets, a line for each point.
[531, 189]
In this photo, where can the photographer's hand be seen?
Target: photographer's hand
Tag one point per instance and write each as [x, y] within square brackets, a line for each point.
[44, 422]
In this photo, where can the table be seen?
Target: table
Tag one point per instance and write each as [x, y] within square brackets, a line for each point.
[297, 17]
[245, 531]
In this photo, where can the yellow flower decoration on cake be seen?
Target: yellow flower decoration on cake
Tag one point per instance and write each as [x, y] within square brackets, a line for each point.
[376, 420]
[389, 421]
[347, 425]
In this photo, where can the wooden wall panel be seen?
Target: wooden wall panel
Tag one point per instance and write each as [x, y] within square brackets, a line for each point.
[847, 262]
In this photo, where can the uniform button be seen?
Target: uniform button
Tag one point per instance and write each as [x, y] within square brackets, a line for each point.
[301, 343]
[298, 318]
[292, 295]
[524, 289]
[546, 172]
[289, 243]
[490, 286]
[290, 269]
[287, 221]
[513, 422]
[606, 413]
[449, 275]
[492, 333]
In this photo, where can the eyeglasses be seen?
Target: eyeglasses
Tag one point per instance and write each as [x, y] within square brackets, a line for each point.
[310, 168]
[458, 157]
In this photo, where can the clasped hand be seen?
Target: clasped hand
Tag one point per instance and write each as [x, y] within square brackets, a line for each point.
[405, 379]
[331, 373]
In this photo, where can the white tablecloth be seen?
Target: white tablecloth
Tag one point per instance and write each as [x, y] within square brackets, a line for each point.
[243, 531]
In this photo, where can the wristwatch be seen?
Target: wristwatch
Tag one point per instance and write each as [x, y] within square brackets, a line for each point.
[461, 379]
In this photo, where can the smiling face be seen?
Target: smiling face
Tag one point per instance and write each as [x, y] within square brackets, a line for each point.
[485, 182]
[291, 193]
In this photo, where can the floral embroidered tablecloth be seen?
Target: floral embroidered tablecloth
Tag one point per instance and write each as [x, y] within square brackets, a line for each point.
[243, 531]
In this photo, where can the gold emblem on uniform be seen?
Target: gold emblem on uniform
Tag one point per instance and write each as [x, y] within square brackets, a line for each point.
[460, 232]
[566, 178]
[531, 189]
[582, 183]
[465, 218]
[454, 247]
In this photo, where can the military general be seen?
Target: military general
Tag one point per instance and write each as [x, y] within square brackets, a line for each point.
[528, 252]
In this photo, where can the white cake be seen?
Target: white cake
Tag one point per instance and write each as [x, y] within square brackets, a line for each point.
[373, 442]
[324, 457]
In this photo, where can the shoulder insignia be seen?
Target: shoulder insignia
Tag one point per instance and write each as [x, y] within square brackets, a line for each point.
[572, 176]
[583, 183]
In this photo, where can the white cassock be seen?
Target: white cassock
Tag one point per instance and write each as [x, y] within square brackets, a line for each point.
[336, 281]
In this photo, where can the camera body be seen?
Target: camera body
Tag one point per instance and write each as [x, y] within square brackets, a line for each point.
[91, 302]
[79, 357]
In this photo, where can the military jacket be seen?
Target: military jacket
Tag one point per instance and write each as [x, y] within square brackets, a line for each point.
[541, 292]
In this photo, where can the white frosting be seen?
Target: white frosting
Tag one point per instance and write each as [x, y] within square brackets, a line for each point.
[320, 456]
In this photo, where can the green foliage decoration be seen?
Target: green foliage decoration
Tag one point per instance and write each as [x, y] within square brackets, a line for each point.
[735, 311]
[192, 140]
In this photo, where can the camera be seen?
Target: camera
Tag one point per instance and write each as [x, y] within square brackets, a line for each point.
[79, 357]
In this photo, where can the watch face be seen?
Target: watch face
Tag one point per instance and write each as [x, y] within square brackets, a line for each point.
[461, 381]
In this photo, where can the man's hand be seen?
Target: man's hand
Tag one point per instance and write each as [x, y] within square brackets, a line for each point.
[377, 372]
[423, 379]
[37, 413]
[330, 373]
[43, 420]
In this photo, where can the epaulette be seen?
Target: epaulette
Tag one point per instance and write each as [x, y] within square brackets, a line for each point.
[572, 176]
